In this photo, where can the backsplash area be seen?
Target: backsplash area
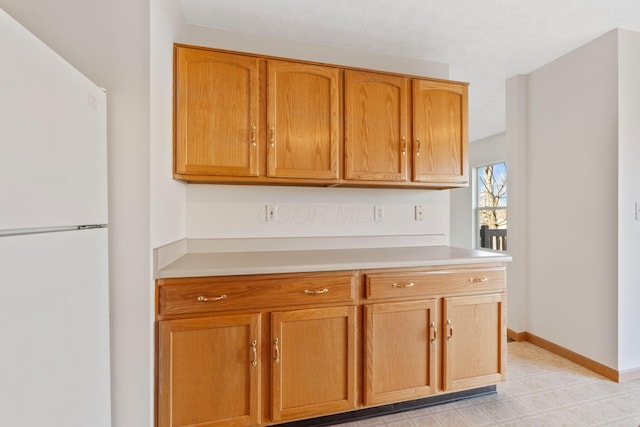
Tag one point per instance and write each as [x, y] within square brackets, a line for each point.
[222, 211]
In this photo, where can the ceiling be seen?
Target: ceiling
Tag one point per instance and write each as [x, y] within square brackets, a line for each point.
[484, 41]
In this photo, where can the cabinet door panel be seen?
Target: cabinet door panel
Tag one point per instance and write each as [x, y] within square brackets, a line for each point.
[440, 132]
[216, 133]
[475, 341]
[207, 375]
[314, 373]
[400, 351]
[304, 124]
[376, 127]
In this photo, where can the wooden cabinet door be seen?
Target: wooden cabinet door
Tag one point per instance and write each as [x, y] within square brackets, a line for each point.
[209, 371]
[313, 362]
[376, 126]
[217, 113]
[303, 120]
[440, 132]
[475, 341]
[401, 347]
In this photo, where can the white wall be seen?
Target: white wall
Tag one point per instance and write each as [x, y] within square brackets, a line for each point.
[482, 152]
[233, 211]
[274, 46]
[109, 42]
[628, 195]
[168, 218]
[516, 141]
[572, 107]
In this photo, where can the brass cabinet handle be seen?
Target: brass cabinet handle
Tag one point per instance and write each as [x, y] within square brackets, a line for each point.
[205, 299]
[272, 141]
[434, 332]
[478, 279]
[404, 146]
[450, 326]
[320, 292]
[253, 135]
[418, 144]
[254, 361]
[403, 285]
[276, 350]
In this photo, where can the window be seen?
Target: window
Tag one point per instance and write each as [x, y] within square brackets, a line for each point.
[491, 212]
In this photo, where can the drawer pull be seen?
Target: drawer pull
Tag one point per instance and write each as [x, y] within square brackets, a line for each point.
[450, 326]
[403, 285]
[276, 358]
[253, 135]
[254, 361]
[320, 292]
[205, 299]
[434, 332]
[478, 279]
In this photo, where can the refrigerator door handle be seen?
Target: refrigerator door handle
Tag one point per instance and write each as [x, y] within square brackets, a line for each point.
[41, 230]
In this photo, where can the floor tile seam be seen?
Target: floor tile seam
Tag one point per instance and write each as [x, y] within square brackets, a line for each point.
[471, 423]
[586, 379]
[611, 422]
[508, 394]
[543, 412]
[570, 405]
[608, 421]
[509, 419]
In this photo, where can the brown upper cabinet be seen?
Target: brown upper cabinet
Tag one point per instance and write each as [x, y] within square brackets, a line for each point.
[252, 119]
[217, 114]
[376, 124]
[303, 120]
[440, 132]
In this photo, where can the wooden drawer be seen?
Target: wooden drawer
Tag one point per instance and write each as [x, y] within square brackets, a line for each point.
[224, 293]
[434, 283]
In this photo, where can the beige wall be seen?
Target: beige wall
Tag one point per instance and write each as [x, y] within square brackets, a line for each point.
[571, 119]
[628, 197]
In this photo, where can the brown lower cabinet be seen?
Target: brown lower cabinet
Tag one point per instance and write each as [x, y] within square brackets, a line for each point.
[306, 345]
[314, 362]
[409, 347]
[209, 371]
[401, 343]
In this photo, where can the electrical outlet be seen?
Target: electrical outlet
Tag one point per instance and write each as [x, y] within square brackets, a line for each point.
[419, 213]
[378, 213]
[272, 213]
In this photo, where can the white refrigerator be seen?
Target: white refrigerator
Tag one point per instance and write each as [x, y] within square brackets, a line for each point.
[54, 289]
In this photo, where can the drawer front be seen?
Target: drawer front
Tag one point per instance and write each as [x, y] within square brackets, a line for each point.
[434, 283]
[210, 294]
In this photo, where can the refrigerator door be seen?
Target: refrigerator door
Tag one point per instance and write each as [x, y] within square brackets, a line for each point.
[53, 160]
[54, 312]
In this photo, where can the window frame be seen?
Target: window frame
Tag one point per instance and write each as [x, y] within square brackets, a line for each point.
[476, 200]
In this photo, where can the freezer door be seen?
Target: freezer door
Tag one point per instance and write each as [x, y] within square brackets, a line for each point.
[53, 150]
[54, 312]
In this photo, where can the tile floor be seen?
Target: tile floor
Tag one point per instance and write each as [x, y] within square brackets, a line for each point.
[542, 389]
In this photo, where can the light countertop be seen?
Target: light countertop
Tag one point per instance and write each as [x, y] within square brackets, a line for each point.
[222, 263]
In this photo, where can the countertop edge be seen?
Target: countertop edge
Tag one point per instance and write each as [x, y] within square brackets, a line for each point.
[274, 262]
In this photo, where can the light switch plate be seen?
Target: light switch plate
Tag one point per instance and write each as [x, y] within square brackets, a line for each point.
[272, 213]
[378, 213]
